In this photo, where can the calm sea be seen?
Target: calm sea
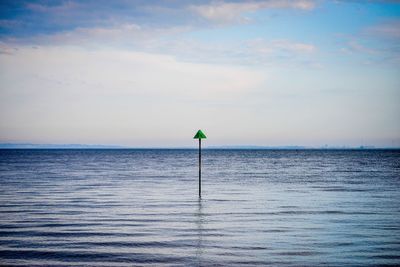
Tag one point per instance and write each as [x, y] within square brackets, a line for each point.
[141, 208]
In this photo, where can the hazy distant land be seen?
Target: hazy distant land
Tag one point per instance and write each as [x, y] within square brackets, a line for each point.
[95, 146]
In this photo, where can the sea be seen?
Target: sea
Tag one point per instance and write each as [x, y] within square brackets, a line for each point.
[140, 207]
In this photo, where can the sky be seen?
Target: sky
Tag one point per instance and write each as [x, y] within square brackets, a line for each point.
[151, 73]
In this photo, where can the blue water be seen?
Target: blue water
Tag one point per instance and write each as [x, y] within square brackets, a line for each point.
[141, 208]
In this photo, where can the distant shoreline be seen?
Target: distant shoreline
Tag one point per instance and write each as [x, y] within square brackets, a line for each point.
[95, 147]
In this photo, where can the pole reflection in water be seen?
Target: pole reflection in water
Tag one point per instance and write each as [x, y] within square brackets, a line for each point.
[199, 223]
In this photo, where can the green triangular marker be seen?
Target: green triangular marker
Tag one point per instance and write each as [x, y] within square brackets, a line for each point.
[200, 135]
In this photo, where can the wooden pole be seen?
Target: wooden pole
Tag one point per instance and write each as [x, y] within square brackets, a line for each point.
[199, 168]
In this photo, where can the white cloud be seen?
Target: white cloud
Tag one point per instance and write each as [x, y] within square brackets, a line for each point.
[118, 70]
[174, 41]
[128, 35]
[269, 47]
[59, 94]
[389, 30]
[282, 53]
[58, 9]
[7, 49]
[227, 12]
[356, 46]
[378, 43]
[64, 94]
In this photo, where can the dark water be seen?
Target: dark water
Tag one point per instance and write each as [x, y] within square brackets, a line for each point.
[140, 207]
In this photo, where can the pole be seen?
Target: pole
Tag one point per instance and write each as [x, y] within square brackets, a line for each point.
[199, 135]
[199, 168]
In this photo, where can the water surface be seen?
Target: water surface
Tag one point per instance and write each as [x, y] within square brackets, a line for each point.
[141, 208]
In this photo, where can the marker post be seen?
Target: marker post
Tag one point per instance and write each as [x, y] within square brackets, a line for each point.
[199, 135]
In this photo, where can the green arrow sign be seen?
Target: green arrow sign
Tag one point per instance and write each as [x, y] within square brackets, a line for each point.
[200, 135]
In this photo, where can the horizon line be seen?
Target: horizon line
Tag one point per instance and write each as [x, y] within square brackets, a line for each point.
[100, 146]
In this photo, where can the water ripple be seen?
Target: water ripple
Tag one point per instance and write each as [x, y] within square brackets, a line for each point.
[140, 208]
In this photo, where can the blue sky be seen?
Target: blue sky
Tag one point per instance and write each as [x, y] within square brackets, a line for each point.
[150, 73]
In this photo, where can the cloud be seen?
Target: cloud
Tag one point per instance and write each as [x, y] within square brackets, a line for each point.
[61, 94]
[112, 71]
[375, 44]
[116, 71]
[282, 52]
[245, 52]
[370, 52]
[269, 47]
[128, 34]
[227, 12]
[9, 23]
[60, 8]
[77, 95]
[357, 47]
[388, 30]
[7, 49]
[174, 41]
